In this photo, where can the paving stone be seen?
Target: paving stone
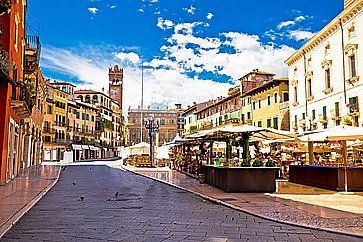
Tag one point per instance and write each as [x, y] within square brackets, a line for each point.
[145, 210]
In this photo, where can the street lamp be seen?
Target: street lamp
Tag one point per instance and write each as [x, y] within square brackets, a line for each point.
[153, 127]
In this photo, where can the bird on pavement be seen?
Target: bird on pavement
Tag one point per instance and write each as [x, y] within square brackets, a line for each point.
[116, 194]
[82, 198]
[74, 183]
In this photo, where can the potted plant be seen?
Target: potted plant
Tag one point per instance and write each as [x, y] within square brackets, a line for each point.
[257, 163]
[347, 120]
[270, 163]
[245, 163]
[5, 5]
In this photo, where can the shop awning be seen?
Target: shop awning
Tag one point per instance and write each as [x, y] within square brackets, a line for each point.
[76, 147]
[91, 147]
[85, 147]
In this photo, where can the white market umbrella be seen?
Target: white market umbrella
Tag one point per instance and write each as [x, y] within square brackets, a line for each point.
[162, 152]
[140, 149]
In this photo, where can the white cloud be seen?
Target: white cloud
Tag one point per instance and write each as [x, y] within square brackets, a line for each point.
[131, 57]
[300, 18]
[210, 16]
[164, 23]
[190, 10]
[113, 6]
[285, 24]
[176, 76]
[92, 10]
[300, 35]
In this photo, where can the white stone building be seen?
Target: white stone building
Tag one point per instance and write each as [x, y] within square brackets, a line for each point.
[325, 84]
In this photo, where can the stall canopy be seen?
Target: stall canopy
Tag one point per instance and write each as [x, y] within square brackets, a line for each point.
[140, 149]
[338, 133]
[253, 132]
[76, 147]
[85, 147]
[162, 152]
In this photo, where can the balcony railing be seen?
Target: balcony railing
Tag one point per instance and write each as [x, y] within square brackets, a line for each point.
[49, 130]
[284, 105]
[21, 101]
[323, 118]
[59, 124]
[335, 114]
[32, 53]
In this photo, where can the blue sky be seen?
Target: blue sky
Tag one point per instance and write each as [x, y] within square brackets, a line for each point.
[193, 49]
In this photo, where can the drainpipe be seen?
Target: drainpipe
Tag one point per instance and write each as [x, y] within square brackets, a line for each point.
[343, 58]
[306, 94]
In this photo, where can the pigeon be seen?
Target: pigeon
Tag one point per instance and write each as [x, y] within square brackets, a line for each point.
[74, 183]
[82, 198]
[116, 194]
[63, 168]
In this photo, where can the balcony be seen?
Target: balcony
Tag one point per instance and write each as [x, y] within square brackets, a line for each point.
[284, 105]
[32, 54]
[59, 124]
[335, 114]
[353, 111]
[323, 118]
[63, 141]
[22, 104]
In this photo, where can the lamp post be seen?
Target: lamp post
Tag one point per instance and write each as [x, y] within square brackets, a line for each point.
[153, 127]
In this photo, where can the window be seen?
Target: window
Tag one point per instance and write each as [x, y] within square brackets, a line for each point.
[327, 78]
[295, 94]
[353, 101]
[243, 118]
[285, 96]
[268, 123]
[259, 103]
[80, 97]
[268, 100]
[248, 115]
[95, 99]
[49, 109]
[275, 97]
[276, 122]
[303, 116]
[259, 124]
[352, 66]
[324, 112]
[313, 114]
[309, 88]
[253, 105]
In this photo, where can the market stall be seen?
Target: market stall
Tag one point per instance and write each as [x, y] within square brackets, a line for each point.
[334, 158]
[229, 158]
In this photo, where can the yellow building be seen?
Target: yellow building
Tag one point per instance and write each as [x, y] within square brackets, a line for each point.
[55, 124]
[267, 105]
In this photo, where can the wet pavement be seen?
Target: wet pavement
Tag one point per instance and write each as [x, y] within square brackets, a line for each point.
[280, 206]
[96, 203]
[20, 193]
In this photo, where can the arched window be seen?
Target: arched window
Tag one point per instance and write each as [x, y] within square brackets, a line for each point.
[80, 97]
[95, 99]
[88, 99]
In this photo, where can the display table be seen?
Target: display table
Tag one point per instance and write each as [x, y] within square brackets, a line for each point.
[327, 177]
[241, 179]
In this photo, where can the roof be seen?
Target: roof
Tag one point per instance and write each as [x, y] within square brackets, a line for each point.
[62, 83]
[269, 84]
[259, 72]
[224, 99]
[329, 29]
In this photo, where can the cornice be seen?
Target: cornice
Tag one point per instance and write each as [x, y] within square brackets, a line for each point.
[326, 32]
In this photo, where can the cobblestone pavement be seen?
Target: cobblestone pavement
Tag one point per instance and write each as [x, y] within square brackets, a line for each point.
[101, 203]
[276, 208]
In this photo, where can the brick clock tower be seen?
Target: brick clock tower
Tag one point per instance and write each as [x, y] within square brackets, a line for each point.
[115, 77]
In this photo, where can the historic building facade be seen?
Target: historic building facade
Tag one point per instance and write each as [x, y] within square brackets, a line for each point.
[19, 56]
[325, 84]
[169, 122]
[267, 105]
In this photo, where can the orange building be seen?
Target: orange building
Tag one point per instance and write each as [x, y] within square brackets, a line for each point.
[19, 54]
